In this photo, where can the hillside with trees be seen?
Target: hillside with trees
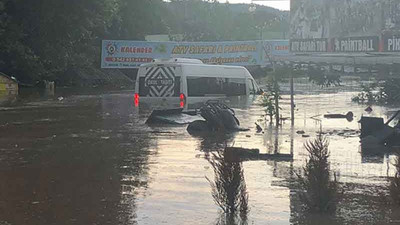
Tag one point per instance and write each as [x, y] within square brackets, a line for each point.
[60, 39]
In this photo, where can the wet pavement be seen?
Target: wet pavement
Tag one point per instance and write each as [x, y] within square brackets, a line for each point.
[91, 159]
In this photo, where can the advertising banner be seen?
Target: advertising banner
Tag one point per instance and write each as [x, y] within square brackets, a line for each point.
[274, 48]
[391, 43]
[309, 45]
[356, 44]
[131, 54]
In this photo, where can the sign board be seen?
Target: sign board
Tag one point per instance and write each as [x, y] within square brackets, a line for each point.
[160, 81]
[356, 44]
[309, 45]
[131, 54]
[391, 43]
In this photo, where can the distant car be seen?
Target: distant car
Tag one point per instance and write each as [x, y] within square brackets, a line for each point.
[170, 83]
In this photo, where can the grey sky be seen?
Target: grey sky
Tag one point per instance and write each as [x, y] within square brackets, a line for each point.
[279, 4]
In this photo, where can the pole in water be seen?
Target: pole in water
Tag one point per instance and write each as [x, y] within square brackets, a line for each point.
[291, 95]
[276, 90]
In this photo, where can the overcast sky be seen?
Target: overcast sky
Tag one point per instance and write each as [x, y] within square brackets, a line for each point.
[279, 4]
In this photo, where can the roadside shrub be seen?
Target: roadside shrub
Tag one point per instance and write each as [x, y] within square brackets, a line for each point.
[370, 93]
[229, 187]
[268, 103]
[323, 78]
[385, 91]
[318, 191]
[395, 183]
[391, 90]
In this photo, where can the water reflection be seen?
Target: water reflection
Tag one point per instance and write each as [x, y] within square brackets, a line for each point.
[7, 99]
[78, 163]
[90, 159]
[215, 141]
[225, 219]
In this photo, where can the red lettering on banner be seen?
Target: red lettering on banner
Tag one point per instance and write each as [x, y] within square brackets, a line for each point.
[282, 47]
[133, 50]
[127, 59]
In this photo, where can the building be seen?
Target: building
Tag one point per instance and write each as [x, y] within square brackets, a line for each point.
[345, 26]
[8, 86]
[345, 32]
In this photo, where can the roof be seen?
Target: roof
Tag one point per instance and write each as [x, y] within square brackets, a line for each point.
[187, 62]
[10, 78]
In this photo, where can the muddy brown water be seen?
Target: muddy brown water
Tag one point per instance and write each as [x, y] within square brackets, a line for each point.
[91, 159]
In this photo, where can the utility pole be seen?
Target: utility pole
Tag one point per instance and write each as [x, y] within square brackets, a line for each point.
[291, 94]
[276, 90]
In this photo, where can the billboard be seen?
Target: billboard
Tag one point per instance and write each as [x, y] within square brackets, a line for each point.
[391, 43]
[349, 25]
[131, 54]
[309, 45]
[356, 44]
[308, 19]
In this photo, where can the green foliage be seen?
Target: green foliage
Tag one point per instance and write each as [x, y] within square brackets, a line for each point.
[45, 39]
[390, 89]
[320, 193]
[386, 91]
[137, 18]
[213, 21]
[369, 94]
[271, 96]
[268, 103]
[322, 77]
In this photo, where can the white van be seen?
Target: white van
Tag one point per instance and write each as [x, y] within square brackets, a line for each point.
[170, 83]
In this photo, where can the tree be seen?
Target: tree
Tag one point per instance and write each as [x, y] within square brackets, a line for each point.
[319, 192]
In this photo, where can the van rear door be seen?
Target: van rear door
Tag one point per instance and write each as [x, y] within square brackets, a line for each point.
[159, 86]
[160, 81]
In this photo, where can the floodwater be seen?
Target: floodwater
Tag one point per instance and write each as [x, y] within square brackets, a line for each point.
[91, 159]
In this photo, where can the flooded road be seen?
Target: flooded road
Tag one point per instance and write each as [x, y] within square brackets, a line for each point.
[91, 159]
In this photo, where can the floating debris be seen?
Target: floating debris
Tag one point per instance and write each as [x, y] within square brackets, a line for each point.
[349, 116]
[258, 127]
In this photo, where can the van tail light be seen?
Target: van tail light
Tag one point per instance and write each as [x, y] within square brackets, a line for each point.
[182, 100]
[136, 99]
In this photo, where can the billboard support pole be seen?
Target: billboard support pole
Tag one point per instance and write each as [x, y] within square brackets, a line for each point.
[291, 95]
[276, 89]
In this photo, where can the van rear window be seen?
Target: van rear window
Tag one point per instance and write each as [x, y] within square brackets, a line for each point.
[203, 86]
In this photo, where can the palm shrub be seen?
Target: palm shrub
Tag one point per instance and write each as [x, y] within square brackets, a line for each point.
[319, 192]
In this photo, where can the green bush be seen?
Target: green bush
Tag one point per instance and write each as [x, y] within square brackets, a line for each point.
[386, 91]
[318, 191]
